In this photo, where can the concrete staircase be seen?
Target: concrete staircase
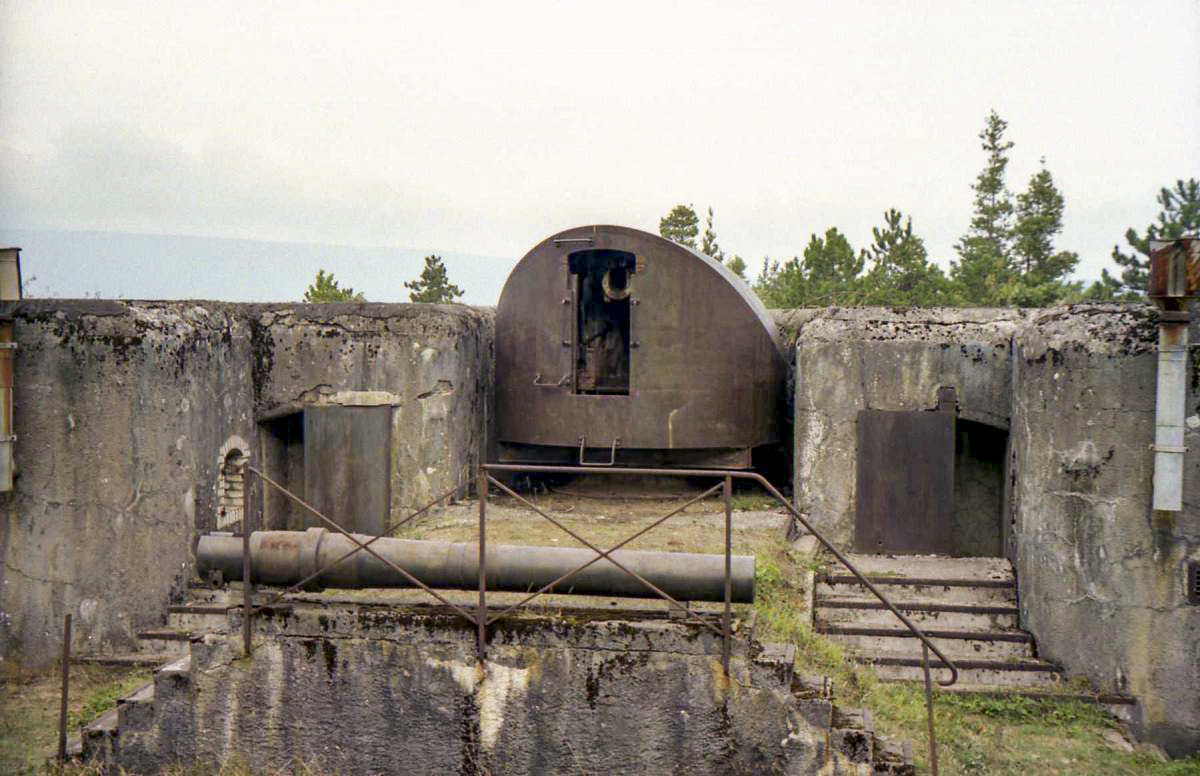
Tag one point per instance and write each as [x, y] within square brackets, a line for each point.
[203, 612]
[967, 606]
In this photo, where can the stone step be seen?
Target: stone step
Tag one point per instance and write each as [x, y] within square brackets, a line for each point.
[930, 567]
[206, 594]
[198, 617]
[169, 641]
[994, 673]
[127, 660]
[927, 615]
[992, 645]
[98, 740]
[1049, 691]
[898, 589]
[893, 757]
[136, 712]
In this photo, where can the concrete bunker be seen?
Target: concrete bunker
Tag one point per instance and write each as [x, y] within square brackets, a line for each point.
[634, 350]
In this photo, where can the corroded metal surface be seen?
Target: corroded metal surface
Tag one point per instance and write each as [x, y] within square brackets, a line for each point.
[905, 487]
[283, 557]
[611, 337]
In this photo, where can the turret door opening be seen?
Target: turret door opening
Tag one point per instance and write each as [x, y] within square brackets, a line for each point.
[603, 321]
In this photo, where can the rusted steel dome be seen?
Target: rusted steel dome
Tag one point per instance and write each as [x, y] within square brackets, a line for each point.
[616, 344]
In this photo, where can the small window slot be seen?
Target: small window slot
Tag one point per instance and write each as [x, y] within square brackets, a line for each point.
[603, 289]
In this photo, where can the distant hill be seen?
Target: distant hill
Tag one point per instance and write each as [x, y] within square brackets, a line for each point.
[152, 266]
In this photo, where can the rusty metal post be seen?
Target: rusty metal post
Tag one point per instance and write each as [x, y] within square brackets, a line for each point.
[933, 761]
[247, 582]
[481, 612]
[66, 683]
[725, 618]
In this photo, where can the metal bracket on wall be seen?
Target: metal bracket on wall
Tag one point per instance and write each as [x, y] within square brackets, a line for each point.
[562, 381]
[8, 346]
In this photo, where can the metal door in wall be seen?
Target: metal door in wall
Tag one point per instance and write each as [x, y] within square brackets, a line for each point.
[905, 495]
[347, 465]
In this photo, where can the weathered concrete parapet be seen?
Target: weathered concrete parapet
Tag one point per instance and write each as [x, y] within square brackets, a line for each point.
[120, 411]
[1101, 575]
[431, 363]
[124, 412]
[854, 359]
[372, 689]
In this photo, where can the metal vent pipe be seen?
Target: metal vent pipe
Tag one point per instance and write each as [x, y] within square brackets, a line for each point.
[1174, 278]
[286, 557]
[10, 291]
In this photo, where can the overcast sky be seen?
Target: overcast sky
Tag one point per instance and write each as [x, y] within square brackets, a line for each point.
[480, 128]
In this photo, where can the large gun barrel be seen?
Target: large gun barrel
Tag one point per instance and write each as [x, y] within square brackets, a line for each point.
[287, 557]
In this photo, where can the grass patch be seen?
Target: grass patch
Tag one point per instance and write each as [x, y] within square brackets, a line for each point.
[1005, 735]
[753, 502]
[29, 709]
[977, 735]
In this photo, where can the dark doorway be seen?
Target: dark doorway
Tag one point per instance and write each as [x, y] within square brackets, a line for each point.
[603, 320]
[338, 459]
[283, 461]
[979, 452]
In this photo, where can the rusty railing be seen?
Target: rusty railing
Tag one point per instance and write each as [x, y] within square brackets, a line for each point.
[480, 618]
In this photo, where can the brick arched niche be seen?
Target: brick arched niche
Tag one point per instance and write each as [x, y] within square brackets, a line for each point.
[231, 478]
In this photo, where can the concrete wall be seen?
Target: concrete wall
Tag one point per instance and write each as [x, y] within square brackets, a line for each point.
[123, 411]
[878, 358]
[1101, 575]
[381, 690]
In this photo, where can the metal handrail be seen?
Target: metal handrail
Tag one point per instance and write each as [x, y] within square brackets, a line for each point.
[482, 620]
[758, 478]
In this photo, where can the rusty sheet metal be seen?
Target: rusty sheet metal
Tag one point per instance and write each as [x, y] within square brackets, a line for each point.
[905, 488]
[1174, 268]
[684, 356]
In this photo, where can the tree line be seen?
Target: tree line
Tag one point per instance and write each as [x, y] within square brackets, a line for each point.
[1008, 255]
[432, 286]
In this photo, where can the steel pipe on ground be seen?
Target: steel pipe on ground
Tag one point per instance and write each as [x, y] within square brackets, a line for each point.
[286, 557]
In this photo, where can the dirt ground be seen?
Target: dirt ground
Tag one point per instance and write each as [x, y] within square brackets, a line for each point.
[607, 521]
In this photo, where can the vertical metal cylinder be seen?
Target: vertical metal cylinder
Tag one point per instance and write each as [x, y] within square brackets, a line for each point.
[1169, 413]
[247, 582]
[10, 291]
[481, 613]
[726, 625]
[66, 683]
[933, 760]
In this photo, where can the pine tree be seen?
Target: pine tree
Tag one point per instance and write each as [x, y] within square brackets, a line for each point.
[737, 265]
[433, 286]
[1043, 271]
[1179, 217]
[708, 242]
[901, 273]
[325, 289]
[680, 225]
[984, 270]
[827, 275]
